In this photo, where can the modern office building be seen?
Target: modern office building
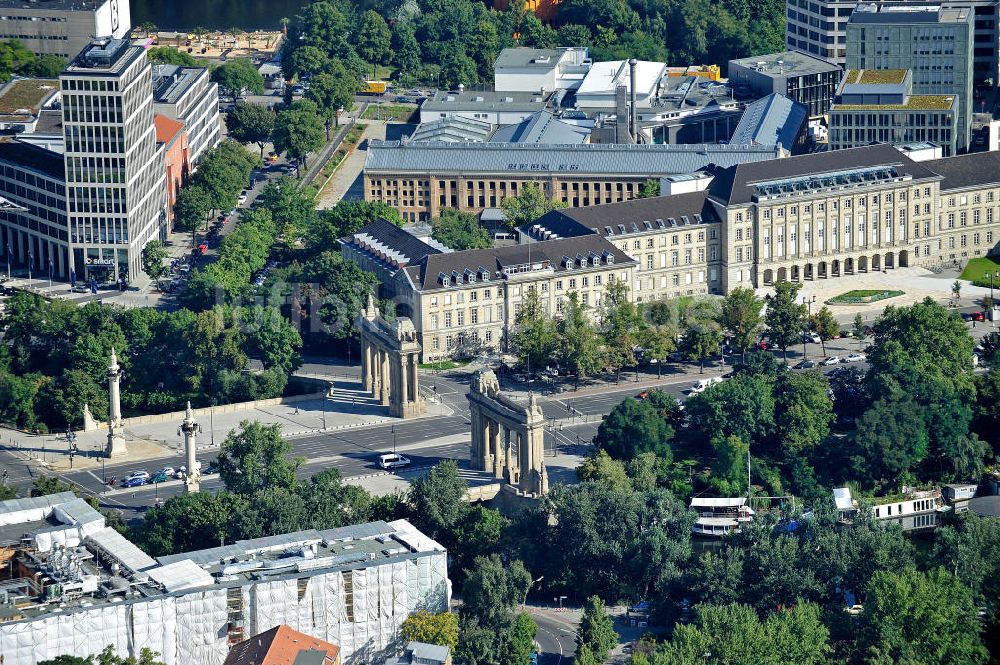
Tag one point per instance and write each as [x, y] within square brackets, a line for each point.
[876, 106]
[187, 95]
[934, 43]
[819, 27]
[540, 70]
[63, 27]
[115, 172]
[73, 586]
[803, 78]
[421, 179]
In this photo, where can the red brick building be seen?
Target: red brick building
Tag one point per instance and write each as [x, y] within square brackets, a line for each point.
[177, 155]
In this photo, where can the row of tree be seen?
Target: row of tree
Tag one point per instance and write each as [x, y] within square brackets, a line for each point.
[223, 172]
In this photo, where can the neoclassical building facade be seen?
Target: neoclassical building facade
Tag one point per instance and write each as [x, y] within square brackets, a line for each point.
[814, 217]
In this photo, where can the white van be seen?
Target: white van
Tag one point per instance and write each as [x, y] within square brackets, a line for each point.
[393, 461]
[701, 384]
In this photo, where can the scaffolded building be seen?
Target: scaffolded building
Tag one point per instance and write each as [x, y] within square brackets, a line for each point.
[71, 585]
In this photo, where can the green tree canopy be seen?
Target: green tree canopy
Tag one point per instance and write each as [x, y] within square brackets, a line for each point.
[255, 457]
[634, 427]
[239, 77]
[460, 230]
[251, 123]
[534, 336]
[785, 316]
[298, 130]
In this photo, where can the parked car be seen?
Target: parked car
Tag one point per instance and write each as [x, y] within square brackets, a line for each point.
[805, 364]
[135, 481]
[966, 316]
[163, 475]
[242, 198]
[80, 288]
[811, 337]
[855, 358]
[393, 461]
[978, 316]
[831, 360]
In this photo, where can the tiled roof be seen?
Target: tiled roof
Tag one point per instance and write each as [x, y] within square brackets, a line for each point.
[961, 171]
[734, 186]
[618, 160]
[386, 237]
[282, 646]
[629, 217]
[167, 129]
[476, 263]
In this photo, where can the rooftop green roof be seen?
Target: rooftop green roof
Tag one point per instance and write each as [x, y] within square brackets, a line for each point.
[875, 76]
[913, 103]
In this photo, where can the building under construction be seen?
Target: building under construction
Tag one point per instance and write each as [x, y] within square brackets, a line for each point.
[72, 585]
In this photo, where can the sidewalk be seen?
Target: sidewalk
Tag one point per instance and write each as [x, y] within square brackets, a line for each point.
[350, 169]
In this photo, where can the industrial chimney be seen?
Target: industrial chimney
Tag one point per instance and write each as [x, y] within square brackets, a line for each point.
[633, 122]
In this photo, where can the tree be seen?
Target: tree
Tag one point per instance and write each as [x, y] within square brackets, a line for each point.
[374, 40]
[492, 590]
[734, 634]
[740, 316]
[599, 466]
[106, 657]
[185, 522]
[534, 336]
[48, 66]
[891, 439]
[920, 617]
[423, 626]
[657, 343]
[333, 90]
[634, 427]
[803, 410]
[596, 630]
[153, 255]
[250, 123]
[255, 457]
[298, 130]
[520, 641]
[293, 210]
[701, 340]
[578, 348]
[527, 206]
[742, 406]
[460, 230]
[620, 324]
[271, 337]
[164, 55]
[859, 330]
[824, 325]
[191, 208]
[784, 316]
[239, 77]
[439, 501]
[649, 189]
[405, 49]
[44, 485]
[346, 218]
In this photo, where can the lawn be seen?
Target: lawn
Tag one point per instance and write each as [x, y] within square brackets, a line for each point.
[395, 112]
[977, 270]
[863, 296]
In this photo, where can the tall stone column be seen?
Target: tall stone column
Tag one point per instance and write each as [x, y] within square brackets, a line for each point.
[190, 429]
[116, 437]
[386, 379]
[366, 365]
[490, 445]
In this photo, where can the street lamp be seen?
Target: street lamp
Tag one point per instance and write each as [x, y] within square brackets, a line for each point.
[560, 599]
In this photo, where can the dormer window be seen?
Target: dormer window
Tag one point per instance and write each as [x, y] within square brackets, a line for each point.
[621, 229]
[568, 262]
[443, 278]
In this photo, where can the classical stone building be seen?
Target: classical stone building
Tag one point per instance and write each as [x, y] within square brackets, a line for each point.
[817, 216]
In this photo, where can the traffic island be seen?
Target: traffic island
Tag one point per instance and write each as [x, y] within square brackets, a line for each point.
[863, 296]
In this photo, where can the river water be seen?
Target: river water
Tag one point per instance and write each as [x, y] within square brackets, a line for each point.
[214, 14]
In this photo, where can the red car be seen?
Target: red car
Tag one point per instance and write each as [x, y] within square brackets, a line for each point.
[978, 316]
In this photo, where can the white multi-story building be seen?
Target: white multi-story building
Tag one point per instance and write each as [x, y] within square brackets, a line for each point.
[187, 95]
[540, 69]
[115, 173]
[71, 585]
[62, 27]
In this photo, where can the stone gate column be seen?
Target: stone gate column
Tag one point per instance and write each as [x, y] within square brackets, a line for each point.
[366, 365]
[386, 379]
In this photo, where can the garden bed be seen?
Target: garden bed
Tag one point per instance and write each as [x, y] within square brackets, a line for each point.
[859, 296]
